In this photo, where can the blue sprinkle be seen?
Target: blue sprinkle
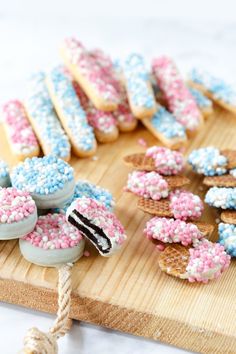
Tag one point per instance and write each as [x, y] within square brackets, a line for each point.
[208, 161]
[227, 237]
[137, 78]
[90, 190]
[219, 88]
[40, 109]
[219, 197]
[165, 123]
[201, 100]
[42, 175]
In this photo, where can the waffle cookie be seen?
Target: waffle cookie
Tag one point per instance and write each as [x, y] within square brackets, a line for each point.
[204, 262]
[227, 237]
[220, 181]
[181, 205]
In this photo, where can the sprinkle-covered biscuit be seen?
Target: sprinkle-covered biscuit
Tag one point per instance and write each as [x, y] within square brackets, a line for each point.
[44, 120]
[227, 237]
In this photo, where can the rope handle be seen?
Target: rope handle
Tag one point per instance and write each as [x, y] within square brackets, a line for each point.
[38, 342]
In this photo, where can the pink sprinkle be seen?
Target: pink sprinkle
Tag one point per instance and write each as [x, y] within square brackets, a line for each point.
[167, 161]
[86, 253]
[142, 142]
[19, 130]
[185, 205]
[179, 99]
[160, 248]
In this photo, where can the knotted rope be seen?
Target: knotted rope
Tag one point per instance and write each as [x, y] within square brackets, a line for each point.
[37, 342]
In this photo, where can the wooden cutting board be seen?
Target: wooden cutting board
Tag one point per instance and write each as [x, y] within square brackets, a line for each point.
[128, 292]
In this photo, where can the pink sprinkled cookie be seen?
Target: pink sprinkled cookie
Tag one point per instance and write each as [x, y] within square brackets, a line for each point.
[185, 205]
[147, 185]
[52, 242]
[167, 161]
[125, 118]
[172, 231]
[20, 134]
[18, 213]
[103, 123]
[89, 75]
[97, 224]
[204, 262]
[179, 100]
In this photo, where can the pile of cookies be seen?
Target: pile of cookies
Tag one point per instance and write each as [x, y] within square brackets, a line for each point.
[69, 212]
[90, 98]
[158, 182]
[219, 169]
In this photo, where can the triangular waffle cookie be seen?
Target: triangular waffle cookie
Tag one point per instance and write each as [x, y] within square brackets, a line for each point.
[220, 181]
[140, 162]
[174, 260]
[231, 157]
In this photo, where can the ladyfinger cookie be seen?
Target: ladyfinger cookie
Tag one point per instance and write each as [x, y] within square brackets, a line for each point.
[70, 112]
[21, 137]
[103, 123]
[89, 75]
[44, 120]
[125, 119]
[165, 128]
[179, 100]
[204, 104]
[138, 86]
[216, 89]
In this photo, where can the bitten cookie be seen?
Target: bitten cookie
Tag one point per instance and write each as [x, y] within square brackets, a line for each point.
[179, 100]
[53, 242]
[49, 180]
[138, 87]
[89, 75]
[44, 120]
[97, 224]
[4, 175]
[20, 134]
[70, 112]
[18, 213]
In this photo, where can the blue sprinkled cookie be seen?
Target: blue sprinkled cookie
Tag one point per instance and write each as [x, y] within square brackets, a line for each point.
[49, 180]
[90, 190]
[208, 161]
[138, 86]
[70, 112]
[44, 119]
[4, 175]
[221, 197]
[227, 237]
[204, 103]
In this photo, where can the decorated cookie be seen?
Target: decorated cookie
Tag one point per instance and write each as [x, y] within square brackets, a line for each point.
[89, 74]
[220, 197]
[160, 159]
[165, 127]
[227, 237]
[215, 88]
[103, 123]
[49, 180]
[4, 175]
[179, 100]
[97, 224]
[18, 213]
[180, 204]
[44, 120]
[89, 190]
[208, 161]
[147, 185]
[125, 119]
[53, 242]
[138, 87]
[70, 112]
[20, 134]
[204, 104]
[204, 262]
[169, 230]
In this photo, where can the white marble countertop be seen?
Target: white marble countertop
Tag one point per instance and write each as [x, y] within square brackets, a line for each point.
[194, 33]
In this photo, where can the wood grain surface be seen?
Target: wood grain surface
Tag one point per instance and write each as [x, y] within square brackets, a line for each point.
[128, 292]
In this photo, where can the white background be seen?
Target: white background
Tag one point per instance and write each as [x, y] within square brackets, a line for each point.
[195, 33]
